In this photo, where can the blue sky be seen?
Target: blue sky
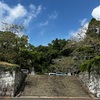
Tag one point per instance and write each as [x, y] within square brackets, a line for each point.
[46, 20]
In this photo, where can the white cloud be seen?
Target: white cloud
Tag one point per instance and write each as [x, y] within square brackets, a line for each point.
[18, 14]
[4, 6]
[32, 7]
[79, 34]
[50, 18]
[53, 16]
[35, 11]
[83, 21]
[96, 13]
[43, 24]
[11, 14]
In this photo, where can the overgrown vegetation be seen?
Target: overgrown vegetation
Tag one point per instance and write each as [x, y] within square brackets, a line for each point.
[76, 54]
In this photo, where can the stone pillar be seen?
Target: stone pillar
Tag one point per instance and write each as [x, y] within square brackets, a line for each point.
[32, 72]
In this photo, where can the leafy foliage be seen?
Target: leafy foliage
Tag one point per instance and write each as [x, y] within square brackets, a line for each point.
[92, 65]
[84, 53]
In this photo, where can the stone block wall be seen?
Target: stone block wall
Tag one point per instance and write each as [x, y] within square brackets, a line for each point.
[10, 84]
[7, 83]
[92, 83]
[19, 80]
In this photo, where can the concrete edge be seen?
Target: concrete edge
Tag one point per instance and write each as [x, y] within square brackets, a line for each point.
[44, 97]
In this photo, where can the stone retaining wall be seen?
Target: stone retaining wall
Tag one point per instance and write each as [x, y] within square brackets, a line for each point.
[7, 83]
[10, 83]
[19, 80]
[92, 83]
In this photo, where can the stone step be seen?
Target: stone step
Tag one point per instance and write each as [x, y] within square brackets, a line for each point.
[46, 85]
[48, 98]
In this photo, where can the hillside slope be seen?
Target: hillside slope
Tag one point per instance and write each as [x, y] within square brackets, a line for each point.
[52, 86]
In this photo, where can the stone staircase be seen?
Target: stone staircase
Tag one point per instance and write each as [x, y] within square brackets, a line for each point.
[54, 86]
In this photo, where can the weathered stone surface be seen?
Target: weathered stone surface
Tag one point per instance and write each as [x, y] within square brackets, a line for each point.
[6, 83]
[53, 86]
[10, 84]
[93, 84]
[19, 79]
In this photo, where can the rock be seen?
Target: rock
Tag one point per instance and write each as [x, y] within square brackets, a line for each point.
[68, 74]
[8, 93]
[98, 95]
[0, 93]
[5, 89]
[8, 87]
[12, 94]
[3, 94]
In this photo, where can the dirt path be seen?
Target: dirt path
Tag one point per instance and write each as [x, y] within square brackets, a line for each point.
[53, 86]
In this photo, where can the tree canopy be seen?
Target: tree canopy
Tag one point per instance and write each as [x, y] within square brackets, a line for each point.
[84, 54]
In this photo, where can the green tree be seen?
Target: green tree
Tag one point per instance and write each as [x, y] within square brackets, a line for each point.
[92, 65]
